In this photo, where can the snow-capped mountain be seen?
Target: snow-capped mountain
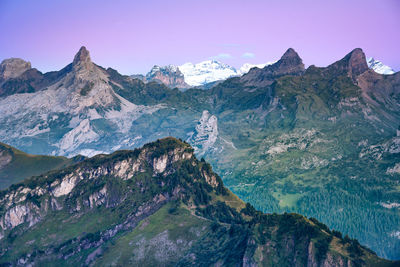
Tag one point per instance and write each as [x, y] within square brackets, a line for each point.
[189, 74]
[156, 68]
[379, 67]
[206, 72]
[169, 75]
[213, 70]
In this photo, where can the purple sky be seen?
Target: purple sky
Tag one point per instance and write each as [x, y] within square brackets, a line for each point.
[131, 36]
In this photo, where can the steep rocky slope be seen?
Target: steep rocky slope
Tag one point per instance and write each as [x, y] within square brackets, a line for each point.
[77, 107]
[157, 205]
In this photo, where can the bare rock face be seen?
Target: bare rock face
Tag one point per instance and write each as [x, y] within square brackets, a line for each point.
[82, 59]
[289, 64]
[169, 75]
[13, 67]
[206, 133]
[352, 65]
[86, 83]
[357, 62]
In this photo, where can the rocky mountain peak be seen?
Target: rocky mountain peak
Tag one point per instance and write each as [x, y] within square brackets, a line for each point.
[289, 64]
[80, 85]
[82, 58]
[290, 53]
[357, 62]
[169, 75]
[13, 67]
[352, 65]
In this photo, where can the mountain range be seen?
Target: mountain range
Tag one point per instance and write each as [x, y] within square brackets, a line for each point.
[207, 73]
[157, 206]
[188, 75]
[321, 141]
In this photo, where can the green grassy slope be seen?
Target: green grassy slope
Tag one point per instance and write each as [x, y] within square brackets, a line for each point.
[18, 165]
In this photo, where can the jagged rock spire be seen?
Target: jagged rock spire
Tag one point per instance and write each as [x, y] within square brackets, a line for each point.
[82, 58]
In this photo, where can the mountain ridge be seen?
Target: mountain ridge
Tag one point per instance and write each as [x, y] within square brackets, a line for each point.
[169, 75]
[157, 194]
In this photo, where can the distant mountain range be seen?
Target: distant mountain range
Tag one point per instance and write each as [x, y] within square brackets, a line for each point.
[322, 142]
[210, 71]
[195, 75]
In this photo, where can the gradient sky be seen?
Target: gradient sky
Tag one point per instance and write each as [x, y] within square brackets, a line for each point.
[132, 36]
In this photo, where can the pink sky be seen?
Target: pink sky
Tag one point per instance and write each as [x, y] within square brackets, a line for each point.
[132, 36]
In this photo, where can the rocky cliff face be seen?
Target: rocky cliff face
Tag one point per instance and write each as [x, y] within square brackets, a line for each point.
[169, 75]
[155, 205]
[352, 65]
[12, 68]
[205, 134]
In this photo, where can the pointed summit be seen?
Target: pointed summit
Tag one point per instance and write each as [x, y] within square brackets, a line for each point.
[82, 57]
[352, 65]
[290, 63]
[290, 53]
[357, 61]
